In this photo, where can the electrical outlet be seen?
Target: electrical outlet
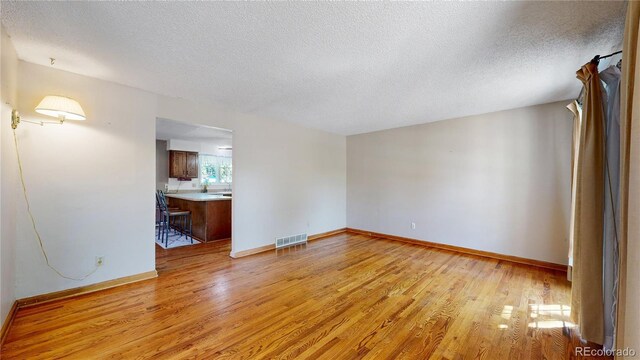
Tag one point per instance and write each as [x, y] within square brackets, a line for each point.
[413, 225]
[99, 260]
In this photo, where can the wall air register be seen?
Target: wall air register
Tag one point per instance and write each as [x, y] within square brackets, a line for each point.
[291, 240]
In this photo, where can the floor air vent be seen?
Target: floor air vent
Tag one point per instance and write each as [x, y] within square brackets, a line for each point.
[291, 240]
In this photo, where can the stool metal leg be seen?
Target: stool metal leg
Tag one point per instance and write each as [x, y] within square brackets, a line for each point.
[163, 224]
[191, 228]
[167, 229]
[183, 231]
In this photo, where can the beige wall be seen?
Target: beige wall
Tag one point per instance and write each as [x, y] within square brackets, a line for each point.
[8, 179]
[496, 182]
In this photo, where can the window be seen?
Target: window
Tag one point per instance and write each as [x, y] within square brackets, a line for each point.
[215, 169]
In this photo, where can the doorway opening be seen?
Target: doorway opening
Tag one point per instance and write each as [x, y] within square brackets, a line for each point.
[194, 184]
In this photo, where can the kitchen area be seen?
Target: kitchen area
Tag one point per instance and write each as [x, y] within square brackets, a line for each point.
[194, 177]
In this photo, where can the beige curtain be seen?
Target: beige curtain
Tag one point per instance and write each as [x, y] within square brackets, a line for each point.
[628, 319]
[575, 150]
[587, 307]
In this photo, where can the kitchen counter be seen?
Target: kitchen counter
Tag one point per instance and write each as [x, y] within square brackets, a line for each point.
[199, 196]
[210, 214]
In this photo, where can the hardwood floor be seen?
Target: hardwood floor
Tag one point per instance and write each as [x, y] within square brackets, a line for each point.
[343, 297]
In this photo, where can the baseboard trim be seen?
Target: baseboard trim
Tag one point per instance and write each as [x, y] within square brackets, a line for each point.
[63, 294]
[326, 234]
[8, 321]
[253, 251]
[269, 247]
[463, 250]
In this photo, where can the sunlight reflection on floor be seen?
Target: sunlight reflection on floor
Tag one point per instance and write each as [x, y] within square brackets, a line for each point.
[543, 316]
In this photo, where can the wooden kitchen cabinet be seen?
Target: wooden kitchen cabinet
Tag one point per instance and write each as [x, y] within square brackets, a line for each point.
[192, 165]
[183, 164]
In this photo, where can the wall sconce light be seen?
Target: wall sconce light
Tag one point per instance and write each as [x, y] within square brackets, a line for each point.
[62, 107]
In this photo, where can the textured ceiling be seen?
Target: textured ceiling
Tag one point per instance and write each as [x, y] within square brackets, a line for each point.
[343, 67]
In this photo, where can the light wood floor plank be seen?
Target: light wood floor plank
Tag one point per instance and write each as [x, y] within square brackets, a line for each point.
[348, 296]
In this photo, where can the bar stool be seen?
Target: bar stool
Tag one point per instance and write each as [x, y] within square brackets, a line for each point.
[168, 214]
[159, 213]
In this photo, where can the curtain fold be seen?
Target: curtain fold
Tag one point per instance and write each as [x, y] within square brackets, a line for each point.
[574, 107]
[587, 307]
[628, 310]
[611, 79]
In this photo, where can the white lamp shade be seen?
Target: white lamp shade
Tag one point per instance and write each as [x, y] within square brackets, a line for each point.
[60, 107]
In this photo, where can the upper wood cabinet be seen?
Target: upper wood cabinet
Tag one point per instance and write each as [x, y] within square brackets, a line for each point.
[177, 164]
[183, 164]
[192, 165]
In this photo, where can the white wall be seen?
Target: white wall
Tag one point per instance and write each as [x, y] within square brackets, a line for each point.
[8, 179]
[287, 179]
[496, 182]
[91, 184]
